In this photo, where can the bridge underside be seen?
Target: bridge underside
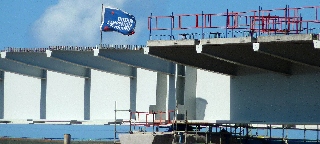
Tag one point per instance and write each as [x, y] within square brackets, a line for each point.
[274, 79]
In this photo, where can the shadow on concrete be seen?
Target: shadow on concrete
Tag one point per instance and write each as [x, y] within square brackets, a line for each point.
[201, 105]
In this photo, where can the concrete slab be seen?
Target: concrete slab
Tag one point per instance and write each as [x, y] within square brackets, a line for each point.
[244, 55]
[302, 53]
[239, 40]
[186, 42]
[286, 38]
[187, 55]
[41, 61]
[88, 60]
[137, 58]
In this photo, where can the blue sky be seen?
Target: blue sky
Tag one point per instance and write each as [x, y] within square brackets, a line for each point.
[35, 23]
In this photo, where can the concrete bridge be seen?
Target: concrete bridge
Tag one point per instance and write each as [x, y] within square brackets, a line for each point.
[58, 69]
[269, 79]
[273, 79]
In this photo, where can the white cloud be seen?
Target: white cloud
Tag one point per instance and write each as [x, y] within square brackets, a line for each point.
[77, 22]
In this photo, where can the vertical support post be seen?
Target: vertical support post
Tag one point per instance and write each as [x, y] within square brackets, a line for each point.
[232, 22]
[227, 23]
[115, 121]
[259, 20]
[282, 133]
[1, 94]
[133, 92]
[180, 86]
[161, 93]
[206, 134]
[275, 26]
[270, 132]
[300, 26]
[210, 133]
[186, 127]
[304, 133]
[101, 28]
[171, 28]
[307, 27]
[171, 96]
[43, 95]
[150, 26]
[153, 122]
[317, 133]
[190, 92]
[67, 138]
[240, 134]
[316, 13]
[247, 132]
[86, 100]
[286, 15]
[202, 34]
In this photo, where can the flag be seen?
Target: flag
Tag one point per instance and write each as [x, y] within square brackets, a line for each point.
[117, 20]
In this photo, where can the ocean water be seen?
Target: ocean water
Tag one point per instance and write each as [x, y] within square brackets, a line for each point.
[77, 132]
[106, 132]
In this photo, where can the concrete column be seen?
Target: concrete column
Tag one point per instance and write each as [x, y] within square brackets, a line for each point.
[1, 94]
[43, 95]
[86, 100]
[190, 93]
[161, 95]
[171, 100]
[180, 86]
[133, 92]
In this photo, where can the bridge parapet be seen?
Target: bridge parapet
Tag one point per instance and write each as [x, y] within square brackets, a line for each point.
[75, 48]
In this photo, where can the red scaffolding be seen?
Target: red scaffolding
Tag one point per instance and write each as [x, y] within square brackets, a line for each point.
[287, 21]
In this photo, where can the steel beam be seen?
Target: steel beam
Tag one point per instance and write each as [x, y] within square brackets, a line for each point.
[137, 58]
[20, 68]
[41, 60]
[88, 60]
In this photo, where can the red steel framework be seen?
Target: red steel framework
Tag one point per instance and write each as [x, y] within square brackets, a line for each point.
[161, 121]
[290, 21]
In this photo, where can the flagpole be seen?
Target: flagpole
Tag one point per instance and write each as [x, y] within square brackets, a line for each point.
[101, 27]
